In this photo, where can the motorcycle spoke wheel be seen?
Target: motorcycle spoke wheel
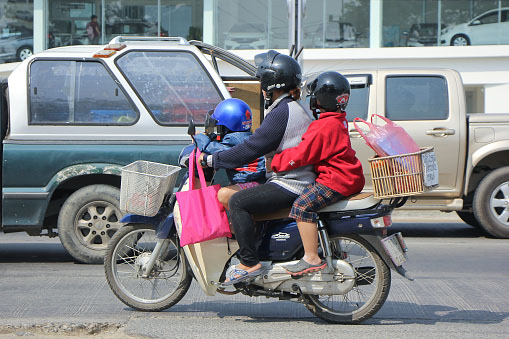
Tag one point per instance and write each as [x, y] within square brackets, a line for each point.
[369, 292]
[129, 252]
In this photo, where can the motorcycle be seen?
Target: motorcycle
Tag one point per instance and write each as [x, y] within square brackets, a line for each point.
[148, 270]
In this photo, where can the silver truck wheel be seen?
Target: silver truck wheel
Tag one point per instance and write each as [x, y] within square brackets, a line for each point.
[491, 203]
[88, 220]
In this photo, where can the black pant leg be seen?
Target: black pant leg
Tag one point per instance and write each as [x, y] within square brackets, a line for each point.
[265, 198]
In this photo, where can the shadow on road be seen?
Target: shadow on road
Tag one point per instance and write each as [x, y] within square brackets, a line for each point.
[392, 313]
[441, 230]
[407, 313]
[33, 252]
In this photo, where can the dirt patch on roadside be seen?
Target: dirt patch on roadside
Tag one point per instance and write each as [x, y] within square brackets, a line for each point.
[66, 331]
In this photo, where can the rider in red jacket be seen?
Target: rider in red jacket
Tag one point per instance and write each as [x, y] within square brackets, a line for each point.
[326, 145]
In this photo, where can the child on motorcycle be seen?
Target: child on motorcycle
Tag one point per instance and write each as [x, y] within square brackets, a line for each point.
[326, 145]
[227, 125]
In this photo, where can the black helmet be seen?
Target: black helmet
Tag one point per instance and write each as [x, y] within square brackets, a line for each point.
[330, 91]
[277, 71]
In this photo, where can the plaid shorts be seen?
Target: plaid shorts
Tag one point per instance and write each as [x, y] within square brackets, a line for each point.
[315, 197]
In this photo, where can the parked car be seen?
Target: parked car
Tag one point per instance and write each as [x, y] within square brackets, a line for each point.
[484, 29]
[76, 116]
[16, 44]
[24, 15]
[337, 35]
[422, 35]
[246, 36]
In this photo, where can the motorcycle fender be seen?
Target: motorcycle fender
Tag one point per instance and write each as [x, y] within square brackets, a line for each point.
[374, 241]
[162, 224]
[164, 230]
[357, 225]
[141, 219]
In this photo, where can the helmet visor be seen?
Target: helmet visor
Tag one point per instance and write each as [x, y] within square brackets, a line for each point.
[210, 123]
[212, 127]
[307, 84]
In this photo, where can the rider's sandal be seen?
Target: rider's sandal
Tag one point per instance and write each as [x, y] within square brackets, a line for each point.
[236, 275]
[303, 267]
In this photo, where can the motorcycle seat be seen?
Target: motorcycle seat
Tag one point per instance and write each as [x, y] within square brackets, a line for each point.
[357, 201]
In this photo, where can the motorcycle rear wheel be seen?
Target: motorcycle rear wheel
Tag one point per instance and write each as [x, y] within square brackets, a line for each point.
[368, 295]
[131, 246]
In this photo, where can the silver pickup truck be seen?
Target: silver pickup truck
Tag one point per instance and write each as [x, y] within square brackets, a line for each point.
[472, 150]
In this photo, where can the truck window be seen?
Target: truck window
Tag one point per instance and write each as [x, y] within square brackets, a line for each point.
[416, 98]
[173, 86]
[75, 92]
[358, 102]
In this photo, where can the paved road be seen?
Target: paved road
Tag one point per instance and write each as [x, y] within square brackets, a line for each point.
[461, 291]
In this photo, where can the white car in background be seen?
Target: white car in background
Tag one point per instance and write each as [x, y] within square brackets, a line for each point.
[246, 36]
[486, 29]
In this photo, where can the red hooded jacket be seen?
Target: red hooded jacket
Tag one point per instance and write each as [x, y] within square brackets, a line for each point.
[326, 144]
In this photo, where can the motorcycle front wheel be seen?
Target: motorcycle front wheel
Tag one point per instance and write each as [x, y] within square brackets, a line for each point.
[373, 282]
[128, 251]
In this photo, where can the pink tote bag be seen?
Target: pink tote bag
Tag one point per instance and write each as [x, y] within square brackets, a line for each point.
[203, 216]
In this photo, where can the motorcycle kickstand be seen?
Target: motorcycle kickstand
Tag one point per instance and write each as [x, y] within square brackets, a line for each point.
[325, 244]
[161, 246]
[300, 295]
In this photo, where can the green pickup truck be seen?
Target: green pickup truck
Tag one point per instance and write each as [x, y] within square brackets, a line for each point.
[73, 116]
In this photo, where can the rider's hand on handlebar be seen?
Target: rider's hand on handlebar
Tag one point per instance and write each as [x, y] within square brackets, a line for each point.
[201, 161]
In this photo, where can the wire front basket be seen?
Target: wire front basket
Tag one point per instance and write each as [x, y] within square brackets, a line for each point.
[404, 174]
[144, 185]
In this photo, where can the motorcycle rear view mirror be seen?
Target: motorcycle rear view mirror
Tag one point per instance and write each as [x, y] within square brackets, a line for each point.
[191, 129]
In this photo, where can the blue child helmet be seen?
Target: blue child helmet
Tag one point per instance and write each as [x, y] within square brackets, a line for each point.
[234, 114]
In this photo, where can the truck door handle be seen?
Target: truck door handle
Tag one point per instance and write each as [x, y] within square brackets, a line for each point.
[354, 134]
[440, 132]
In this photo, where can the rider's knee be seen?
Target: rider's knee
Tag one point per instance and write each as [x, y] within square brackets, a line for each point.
[223, 195]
